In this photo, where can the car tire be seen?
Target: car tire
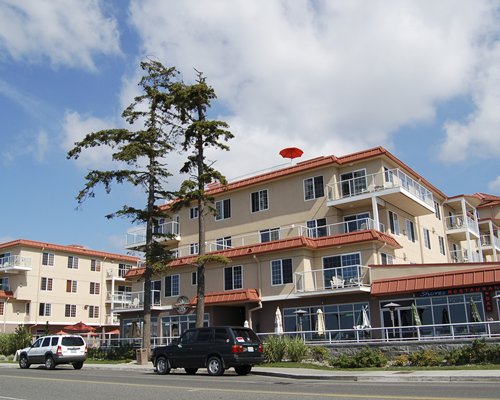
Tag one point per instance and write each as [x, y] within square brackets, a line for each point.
[162, 366]
[243, 369]
[191, 371]
[214, 366]
[49, 363]
[78, 365]
[23, 362]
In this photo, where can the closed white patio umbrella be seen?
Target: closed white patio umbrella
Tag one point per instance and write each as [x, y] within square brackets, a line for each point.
[278, 322]
[320, 322]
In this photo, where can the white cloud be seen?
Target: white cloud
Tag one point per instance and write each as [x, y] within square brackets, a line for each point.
[340, 76]
[66, 32]
[494, 185]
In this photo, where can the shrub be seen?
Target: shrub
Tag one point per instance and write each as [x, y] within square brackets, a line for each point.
[401, 361]
[296, 349]
[274, 348]
[319, 353]
[425, 358]
[479, 352]
[364, 358]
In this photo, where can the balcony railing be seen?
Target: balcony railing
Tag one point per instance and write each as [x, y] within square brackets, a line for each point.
[15, 262]
[458, 222]
[352, 276]
[463, 256]
[134, 300]
[487, 242]
[394, 178]
[138, 236]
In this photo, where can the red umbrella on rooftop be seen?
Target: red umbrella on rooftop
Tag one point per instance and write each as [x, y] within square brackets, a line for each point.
[291, 152]
[79, 327]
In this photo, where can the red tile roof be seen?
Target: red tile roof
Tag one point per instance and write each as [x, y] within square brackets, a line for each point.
[286, 244]
[437, 281]
[487, 200]
[73, 249]
[233, 296]
[6, 294]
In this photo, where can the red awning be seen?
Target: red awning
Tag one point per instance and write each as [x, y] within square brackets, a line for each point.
[6, 294]
[79, 327]
[234, 296]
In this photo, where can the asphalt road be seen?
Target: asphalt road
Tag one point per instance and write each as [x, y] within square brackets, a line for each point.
[65, 383]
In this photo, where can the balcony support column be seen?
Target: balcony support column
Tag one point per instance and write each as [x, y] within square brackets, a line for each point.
[493, 241]
[376, 220]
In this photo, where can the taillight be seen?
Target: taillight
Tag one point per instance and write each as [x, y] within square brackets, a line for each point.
[236, 348]
[261, 348]
[59, 351]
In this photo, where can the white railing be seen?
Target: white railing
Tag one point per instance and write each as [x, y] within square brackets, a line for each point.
[486, 241]
[353, 276]
[458, 222]
[138, 235]
[463, 256]
[14, 261]
[127, 300]
[394, 178]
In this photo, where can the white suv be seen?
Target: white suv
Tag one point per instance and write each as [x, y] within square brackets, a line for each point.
[53, 350]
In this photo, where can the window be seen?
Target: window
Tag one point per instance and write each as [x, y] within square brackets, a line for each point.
[223, 243]
[95, 288]
[70, 311]
[48, 259]
[193, 213]
[194, 278]
[71, 286]
[2, 307]
[233, 277]
[313, 188]
[73, 262]
[93, 311]
[316, 228]
[410, 231]
[441, 245]
[358, 222]
[27, 309]
[268, 235]
[259, 200]
[394, 223]
[222, 209]
[427, 238]
[44, 310]
[344, 267]
[353, 183]
[194, 248]
[4, 284]
[123, 269]
[387, 259]
[437, 210]
[281, 271]
[46, 284]
[172, 285]
[95, 265]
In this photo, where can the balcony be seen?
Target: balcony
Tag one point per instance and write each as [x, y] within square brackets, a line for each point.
[131, 301]
[168, 233]
[490, 244]
[463, 256]
[457, 227]
[112, 320]
[353, 278]
[393, 186]
[14, 264]
[117, 275]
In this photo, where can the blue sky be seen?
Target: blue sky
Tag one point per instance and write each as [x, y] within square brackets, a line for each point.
[331, 77]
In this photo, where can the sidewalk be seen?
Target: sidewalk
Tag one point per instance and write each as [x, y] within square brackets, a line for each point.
[359, 376]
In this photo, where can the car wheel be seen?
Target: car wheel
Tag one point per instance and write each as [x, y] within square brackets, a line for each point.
[214, 366]
[23, 362]
[191, 371]
[162, 366]
[78, 365]
[243, 369]
[49, 363]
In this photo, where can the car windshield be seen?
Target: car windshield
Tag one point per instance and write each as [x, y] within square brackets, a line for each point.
[246, 334]
[72, 341]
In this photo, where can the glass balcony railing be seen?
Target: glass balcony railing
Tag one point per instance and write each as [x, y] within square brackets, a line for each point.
[352, 276]
[13, 262]
[459, 222]
[137, 236]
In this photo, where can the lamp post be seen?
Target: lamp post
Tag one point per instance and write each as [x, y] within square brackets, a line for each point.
[392, 306]
[300, 313]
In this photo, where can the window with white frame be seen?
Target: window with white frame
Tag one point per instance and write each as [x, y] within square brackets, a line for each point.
[313, 188]
[442, 249]
[73, 262]
[93, 311]
[27, 309]
[269, 235]
[233, 277]
[437, 210]
[70, 311]
[48, 259]
[223, 243]
[193, 213]
[427, 238]
[259, 200]
[4, 283]
[356, 222]
[353, 183]
[343, 267]
[2, 307]
[123, 269]
[95, 288]
[281, 271]
[394, 222]
[194, 278]
[222, 209]
[172, 285]
[46, 284]
[71, 286]
[316, 228]
[44, 309]
[410, 231]
[386, 259]
[95, 265]
[194, 248]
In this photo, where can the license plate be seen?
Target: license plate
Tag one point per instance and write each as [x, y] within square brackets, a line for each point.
[250, 349]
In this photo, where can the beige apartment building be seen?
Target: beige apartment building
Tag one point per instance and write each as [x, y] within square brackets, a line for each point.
[336, 234]
[49, 286]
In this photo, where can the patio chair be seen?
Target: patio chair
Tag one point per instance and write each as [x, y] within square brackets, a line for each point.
[336, 282]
